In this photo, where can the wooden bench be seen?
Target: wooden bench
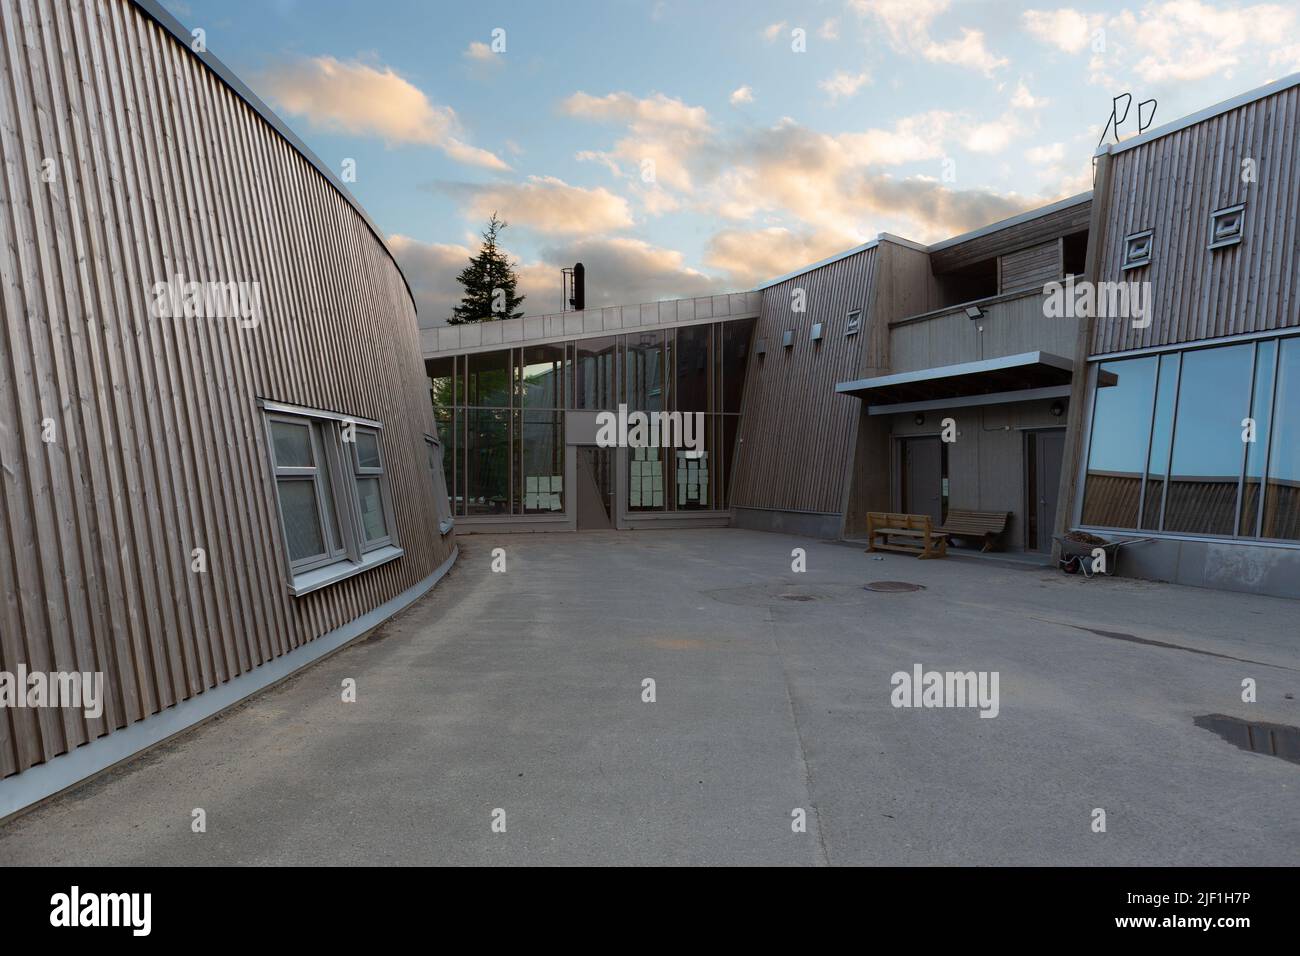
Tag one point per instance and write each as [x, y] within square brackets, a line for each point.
[919, 537]
[976, 524]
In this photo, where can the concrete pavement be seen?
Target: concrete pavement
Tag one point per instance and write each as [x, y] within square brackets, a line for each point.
[522, 692]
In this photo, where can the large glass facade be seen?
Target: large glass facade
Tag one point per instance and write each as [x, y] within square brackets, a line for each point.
[1184, 442]
[500, 416]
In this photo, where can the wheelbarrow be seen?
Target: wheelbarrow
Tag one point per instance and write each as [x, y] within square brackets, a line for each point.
[1077, 556]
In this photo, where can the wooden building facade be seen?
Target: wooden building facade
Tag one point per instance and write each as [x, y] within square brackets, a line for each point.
[186, 292]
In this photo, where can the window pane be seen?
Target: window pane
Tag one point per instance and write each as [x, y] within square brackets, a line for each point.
[735, 360]
[1256, 451]
[539, 486]
[645, 371]
[489, 379]
[542, 377]
[441, 391]
[1121, 427]
[1282, 497]
[447, 437]
[1162, 434]
[727, 455]
[595, 373]
[327, 487]
[369, 496]
[1213, 398]
[292, 445]
[646, 484]
[487, 462]
[692, 393]
[692, 477]
[301, 517]
[367, 449]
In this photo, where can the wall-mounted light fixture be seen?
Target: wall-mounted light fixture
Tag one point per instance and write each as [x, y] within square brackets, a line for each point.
[974, 312]
[1057, 409]
[920, 418]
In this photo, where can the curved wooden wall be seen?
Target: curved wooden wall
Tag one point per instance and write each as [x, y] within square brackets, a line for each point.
[158, 168]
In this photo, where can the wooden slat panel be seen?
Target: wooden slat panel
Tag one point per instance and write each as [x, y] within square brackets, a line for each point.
[1062, 222]
[1034, 266]
[161, 169]
[798, 462]
[1172, 185]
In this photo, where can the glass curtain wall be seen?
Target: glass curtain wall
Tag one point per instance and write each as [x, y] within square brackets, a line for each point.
[1201, 441]
[500, 416]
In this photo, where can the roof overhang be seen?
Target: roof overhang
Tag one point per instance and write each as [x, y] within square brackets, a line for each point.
[1028, 376]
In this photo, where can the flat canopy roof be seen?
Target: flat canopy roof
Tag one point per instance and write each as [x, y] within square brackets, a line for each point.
[1007, 373]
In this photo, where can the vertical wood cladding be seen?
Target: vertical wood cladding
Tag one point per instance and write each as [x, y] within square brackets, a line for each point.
[1172, 185]
[159, 168]
[797, 431]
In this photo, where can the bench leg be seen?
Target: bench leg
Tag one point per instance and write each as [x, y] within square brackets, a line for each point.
[988, 543]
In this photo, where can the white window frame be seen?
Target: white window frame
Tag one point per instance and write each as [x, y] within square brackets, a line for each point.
[1137, 262]
[1231, 239]
[336, 467]
[364, 544]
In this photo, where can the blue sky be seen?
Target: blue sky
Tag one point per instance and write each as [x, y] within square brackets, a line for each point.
[679, 147]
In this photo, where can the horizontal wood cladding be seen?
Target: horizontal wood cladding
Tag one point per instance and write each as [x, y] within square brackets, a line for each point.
[1172, 185]
[128, 440]
[1052, 225]
[797, 431]
[1008, 327]
[1030, 267]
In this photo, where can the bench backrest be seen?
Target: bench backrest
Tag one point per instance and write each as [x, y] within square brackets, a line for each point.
[889, 519]
[988, 521]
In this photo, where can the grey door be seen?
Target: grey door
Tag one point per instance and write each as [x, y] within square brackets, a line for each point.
[595, 489]
[1048, 447]
[922, 482]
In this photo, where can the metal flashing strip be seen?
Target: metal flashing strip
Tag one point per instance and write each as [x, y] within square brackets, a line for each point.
[1200, 116]
[165, 19]
[66, 770]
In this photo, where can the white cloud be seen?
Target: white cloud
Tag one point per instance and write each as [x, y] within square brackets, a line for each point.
[1185, 40]
[1044, 155]
[549, 205]
[830, 29]
[1066, 28]
[1022, 99]
[431, 269]
[353, 97]
[751, 256]
[478, 50]
[663, 133]
[742, 94]
[843, 84]
[656, 111]
[907, 25]
[773, 30]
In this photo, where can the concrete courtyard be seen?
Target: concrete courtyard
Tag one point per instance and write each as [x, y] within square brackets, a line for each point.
[522, 691]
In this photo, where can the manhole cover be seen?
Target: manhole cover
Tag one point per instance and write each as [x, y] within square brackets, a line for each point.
[1276, 740]
[893, 586]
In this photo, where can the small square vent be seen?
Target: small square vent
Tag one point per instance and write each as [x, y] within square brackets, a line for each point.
[854, 322]
[816, 332]
[1137, 249]
[787, 339]
[1226, 226]
[761, 347]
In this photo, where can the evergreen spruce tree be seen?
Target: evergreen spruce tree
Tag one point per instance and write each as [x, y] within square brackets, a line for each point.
[488, 272]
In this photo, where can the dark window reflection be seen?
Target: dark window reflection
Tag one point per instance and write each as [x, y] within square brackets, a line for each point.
[1282, 497]
[1213, 398]
[439, 372]
[1121, 427]
[487, 462]
[735, 360]
[542, 374]
[1261, 411]
[644, 371]
[594, 373]
[693, 368]
[489, 379]
[539, 486]
[1162, 434]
